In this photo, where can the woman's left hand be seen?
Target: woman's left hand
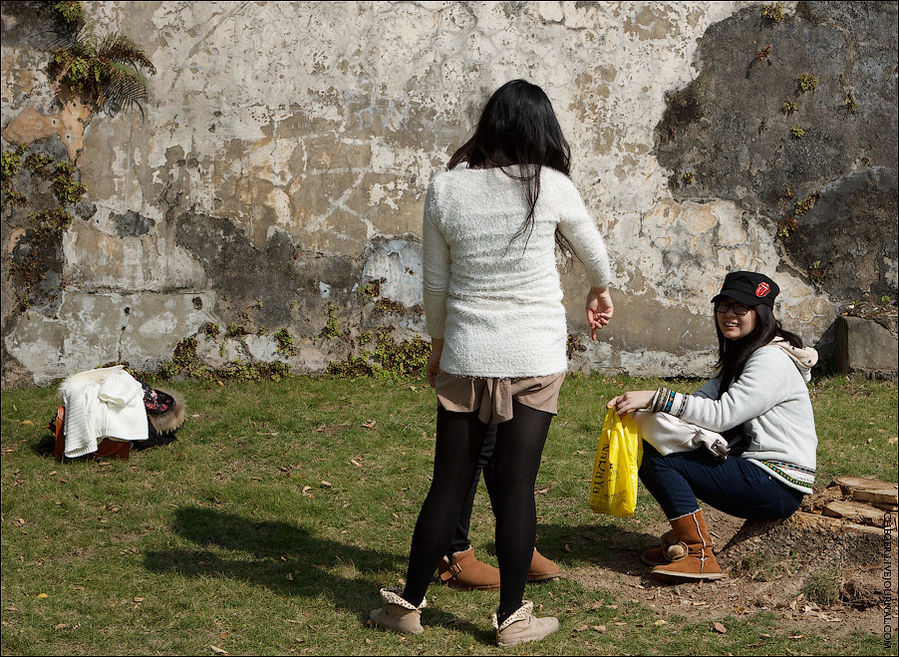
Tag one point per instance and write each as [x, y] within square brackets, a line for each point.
[599, 309]
[634, 400]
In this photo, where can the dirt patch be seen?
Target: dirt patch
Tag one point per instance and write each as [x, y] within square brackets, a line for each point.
[817, 574]
[773, 584]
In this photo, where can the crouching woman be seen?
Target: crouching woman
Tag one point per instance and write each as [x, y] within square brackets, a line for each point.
[744, 442]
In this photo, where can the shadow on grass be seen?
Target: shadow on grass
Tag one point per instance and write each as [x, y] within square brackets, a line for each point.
[607, 546]
[288, 560]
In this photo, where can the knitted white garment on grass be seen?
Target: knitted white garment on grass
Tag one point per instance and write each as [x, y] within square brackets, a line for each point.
[102, 403]
[494, 297]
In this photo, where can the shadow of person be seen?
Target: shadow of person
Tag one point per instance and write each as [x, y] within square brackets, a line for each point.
[286, 558]
[608, 546]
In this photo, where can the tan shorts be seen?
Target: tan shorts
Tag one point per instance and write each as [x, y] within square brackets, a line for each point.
[492, 398]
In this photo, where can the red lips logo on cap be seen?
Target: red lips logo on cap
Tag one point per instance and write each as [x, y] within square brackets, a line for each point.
[762, 290]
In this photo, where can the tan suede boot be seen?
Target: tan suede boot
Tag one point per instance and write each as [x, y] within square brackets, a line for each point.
[542, 569]
[668, 551]
[522, 626]
[699, 563]
[464, 571]
[398, 614]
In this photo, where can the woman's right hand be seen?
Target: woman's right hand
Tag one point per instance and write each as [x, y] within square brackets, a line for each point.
[599, 309]
[629, 402]
[433, 366]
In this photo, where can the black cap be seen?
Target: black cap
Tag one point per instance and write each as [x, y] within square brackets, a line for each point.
[748, 287]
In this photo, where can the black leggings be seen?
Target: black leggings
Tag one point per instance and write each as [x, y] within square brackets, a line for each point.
[516, 460]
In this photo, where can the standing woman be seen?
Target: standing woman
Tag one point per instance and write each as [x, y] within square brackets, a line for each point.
[493, 305]
[755, 417]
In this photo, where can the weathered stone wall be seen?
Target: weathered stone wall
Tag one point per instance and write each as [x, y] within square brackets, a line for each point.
[277, 179]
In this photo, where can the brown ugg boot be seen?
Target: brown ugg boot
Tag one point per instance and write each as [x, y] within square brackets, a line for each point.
[542, 569]
[669, 550]
[464, 571]
[699, 562]
[398, 614]
[522, 626]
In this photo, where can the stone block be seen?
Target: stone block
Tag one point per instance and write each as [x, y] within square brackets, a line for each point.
[865, 347]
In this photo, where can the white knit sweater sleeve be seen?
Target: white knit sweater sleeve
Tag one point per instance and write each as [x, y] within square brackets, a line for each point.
[436, 263]
[578, 227]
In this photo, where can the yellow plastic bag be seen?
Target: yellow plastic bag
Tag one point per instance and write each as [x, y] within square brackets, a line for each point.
[614, 486]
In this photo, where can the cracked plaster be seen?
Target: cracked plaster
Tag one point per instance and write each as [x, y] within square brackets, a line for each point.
[308, 132]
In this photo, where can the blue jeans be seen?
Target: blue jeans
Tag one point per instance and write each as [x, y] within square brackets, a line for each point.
[733, 485]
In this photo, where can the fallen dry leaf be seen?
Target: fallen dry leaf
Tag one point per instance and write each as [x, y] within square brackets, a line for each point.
[599, 628]
[217, 650]
[719, 627]
[42, 595]
[660, 622]
[60, 626]
[307, 490]
[28, 423]
[369, 425]
[356, 463]
[326, 484]
[581, 628]
[139, 599]
[597, 605]
[19, 522]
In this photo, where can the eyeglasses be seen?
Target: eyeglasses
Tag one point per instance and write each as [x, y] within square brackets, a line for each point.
[738, 308]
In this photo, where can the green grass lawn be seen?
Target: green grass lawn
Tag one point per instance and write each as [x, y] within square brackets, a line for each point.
[269, 526]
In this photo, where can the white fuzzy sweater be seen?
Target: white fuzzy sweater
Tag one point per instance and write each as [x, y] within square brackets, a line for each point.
[496, 301]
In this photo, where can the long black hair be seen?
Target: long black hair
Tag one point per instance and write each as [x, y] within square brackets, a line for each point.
[733, 354]
[519, 127]
[732, 357]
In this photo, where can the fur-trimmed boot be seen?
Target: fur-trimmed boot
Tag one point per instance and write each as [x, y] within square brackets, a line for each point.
[699, 562]
[667, 551]
[464, 571]
[397, 614]
[542, 568]
[522, 626]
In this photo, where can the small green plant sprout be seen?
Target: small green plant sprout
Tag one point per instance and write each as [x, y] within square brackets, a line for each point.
[885, 299]
[849, 102]
[796, 132]
[211, 329]
[805, 204]
[68, 190]
[285, 341]
[10, 161]
[331, 329]
[774, 12]
[807, 82]
[789, 106]
[787, 193]
[372, 289]
[688, 177]
[37, 162]
[786, 226]
[234, 330]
